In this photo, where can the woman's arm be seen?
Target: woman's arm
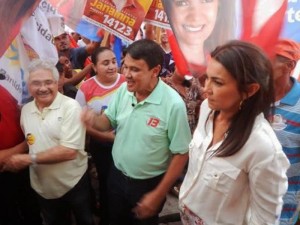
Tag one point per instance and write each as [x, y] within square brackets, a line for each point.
[268, 184]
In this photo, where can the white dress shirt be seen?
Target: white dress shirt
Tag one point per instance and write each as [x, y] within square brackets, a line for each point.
[245, 188]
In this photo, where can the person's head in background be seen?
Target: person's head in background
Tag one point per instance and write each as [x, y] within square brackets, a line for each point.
[239, 86]
[62, 42]
[67, 66]
[142, 65]
[43, 82]
[200, 26]
[105, 65]
[287, 53]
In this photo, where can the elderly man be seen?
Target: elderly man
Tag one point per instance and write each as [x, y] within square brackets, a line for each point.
[286, 122]
[57, 160]
[152, 137]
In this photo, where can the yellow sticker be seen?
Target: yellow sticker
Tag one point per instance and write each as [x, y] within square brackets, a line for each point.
[30, 139]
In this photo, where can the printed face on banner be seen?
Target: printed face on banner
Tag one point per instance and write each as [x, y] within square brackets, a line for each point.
[123, 18]
[200, 26]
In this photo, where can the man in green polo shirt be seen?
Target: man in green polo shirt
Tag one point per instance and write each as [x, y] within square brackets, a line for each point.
[152, 137]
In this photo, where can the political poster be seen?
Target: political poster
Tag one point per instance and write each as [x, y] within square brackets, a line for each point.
[157, 15]
[121, 18]
[198, 27]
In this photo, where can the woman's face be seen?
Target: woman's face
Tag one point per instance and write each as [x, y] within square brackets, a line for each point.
[106, 66]
[193, 20]
[221, 89]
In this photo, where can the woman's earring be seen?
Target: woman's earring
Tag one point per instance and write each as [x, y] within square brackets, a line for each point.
[241, 104]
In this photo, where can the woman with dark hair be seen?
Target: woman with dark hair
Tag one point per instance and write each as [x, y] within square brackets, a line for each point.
[96, 93]
[237, 169]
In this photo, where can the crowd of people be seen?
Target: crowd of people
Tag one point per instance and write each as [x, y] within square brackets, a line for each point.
[232, 143]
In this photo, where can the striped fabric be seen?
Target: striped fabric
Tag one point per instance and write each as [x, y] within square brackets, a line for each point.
[286, 125]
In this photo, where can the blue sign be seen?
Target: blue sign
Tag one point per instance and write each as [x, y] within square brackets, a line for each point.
[291, 27]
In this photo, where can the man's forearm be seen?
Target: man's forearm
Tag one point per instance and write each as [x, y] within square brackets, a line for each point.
[175, 169]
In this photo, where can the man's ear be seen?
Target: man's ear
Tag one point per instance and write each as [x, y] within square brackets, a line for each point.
[156, 70]
[252, 89]
[291, 65]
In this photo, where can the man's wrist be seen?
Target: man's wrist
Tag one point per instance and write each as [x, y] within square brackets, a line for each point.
[33, 159]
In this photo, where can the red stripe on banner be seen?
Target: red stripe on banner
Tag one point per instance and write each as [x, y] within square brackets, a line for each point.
[179, 59]
[268, 35]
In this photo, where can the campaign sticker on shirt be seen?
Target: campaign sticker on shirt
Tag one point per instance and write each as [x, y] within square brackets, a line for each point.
[153, 122]
[30, 139]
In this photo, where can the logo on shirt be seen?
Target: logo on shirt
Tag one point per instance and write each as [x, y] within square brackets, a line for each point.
[30, 139]
[153, 122]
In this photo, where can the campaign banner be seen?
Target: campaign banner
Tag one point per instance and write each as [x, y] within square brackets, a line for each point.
[157, 16]
[122, 20]
[13, 74]
[71, 10]
[198, 27]
[291, 27]
[33, 41]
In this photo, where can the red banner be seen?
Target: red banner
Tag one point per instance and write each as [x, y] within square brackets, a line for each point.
[157, 16]
[123, 21]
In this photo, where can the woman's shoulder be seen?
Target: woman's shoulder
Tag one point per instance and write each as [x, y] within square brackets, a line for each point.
[262, 142]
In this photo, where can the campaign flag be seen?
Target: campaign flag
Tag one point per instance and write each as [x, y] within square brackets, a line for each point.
[157, 16]
[13, 14]
[262, 22]
[33, 41]
[12, 64]
[291, 27]
[37, 33]
[71, 10]
[123, 21]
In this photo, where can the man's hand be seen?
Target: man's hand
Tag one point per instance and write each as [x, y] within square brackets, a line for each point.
[3, 158]
[17, 162]
[88, 117]
[149, 205]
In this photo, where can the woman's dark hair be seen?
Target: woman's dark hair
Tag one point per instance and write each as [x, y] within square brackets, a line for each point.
[94, 56]
[247, 64]
[96, 52]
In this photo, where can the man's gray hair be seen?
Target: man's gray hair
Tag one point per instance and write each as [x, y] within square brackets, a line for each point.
[38, 64]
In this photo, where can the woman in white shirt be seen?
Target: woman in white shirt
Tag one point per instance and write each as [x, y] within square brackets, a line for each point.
[237, 169]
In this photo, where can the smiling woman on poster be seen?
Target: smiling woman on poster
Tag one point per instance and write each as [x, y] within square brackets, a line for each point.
[200, 26]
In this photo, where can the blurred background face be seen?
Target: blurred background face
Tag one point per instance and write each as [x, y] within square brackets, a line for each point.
[221, 88]
[280, 67]
[67, 66]
[62, 42]
[106, 66]
[193, 20]
[163, 37]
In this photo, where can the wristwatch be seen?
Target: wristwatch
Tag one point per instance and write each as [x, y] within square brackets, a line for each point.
[33, 159]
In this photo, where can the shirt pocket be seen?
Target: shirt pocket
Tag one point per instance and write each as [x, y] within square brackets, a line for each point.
[220, 175]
